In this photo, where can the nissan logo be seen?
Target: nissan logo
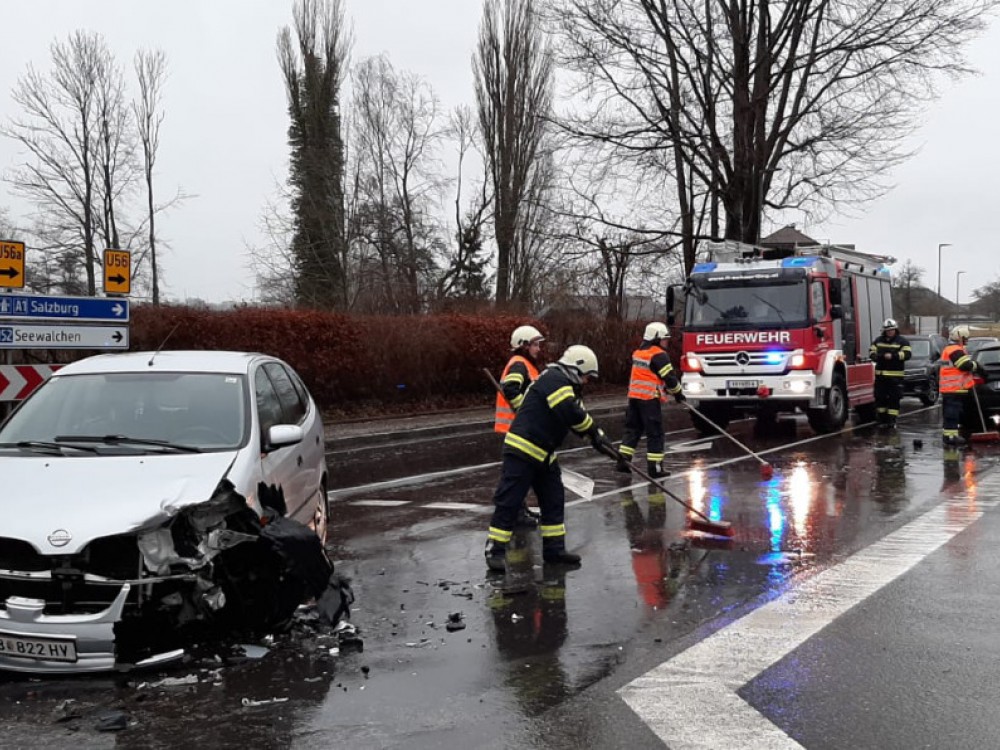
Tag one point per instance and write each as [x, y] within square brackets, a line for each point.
[742, 359]
[60, 538]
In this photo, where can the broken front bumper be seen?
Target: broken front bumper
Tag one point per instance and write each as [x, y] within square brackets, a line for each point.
[32, 641]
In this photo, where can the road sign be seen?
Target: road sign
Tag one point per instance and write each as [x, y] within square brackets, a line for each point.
[117, 272]
[11, 264]
[18, 381]
[78, 309]
[27, 336]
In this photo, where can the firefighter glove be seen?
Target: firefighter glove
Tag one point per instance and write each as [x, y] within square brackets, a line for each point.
[602, 443]
[679, 397]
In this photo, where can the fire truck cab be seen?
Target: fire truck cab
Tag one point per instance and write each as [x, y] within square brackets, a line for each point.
[768, 331]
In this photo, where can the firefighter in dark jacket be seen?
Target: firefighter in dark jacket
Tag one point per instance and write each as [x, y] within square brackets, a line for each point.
[955, 380]
[551, 408]
[652, 373]
[889, 351]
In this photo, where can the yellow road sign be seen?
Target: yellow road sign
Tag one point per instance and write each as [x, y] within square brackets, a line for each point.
[11, 264]
[117, 272]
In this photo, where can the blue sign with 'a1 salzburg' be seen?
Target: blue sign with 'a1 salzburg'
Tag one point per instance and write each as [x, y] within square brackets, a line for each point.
[80, 309]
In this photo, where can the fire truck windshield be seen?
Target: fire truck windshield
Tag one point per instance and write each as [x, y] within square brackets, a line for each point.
[746, 305]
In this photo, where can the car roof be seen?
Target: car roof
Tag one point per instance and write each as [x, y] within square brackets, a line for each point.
[236, 363]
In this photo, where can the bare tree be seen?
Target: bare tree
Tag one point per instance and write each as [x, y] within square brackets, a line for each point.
[513, 79]
[150, 70]
[797, 105]
[314, 66]
[395, 132]
[907, 279]
[59, 131]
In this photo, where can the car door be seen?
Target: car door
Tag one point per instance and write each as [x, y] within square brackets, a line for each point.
[279, 467]
[295, 411]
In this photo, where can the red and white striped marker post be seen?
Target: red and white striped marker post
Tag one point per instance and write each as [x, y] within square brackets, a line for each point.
[18, 381]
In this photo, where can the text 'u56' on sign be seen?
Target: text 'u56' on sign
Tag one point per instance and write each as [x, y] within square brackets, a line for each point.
[11, 264]
[117, 272]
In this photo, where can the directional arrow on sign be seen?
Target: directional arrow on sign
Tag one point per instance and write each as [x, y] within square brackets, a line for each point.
[117, 336]
[118, 279]
[11, 272]
[118, 309]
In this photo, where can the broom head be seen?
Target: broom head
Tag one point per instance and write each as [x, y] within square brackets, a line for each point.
[715, 528]
[985, 437]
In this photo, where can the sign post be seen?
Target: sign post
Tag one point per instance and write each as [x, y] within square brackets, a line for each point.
[11, 264]
[117, 272]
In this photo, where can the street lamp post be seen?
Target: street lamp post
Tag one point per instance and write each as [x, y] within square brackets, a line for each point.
[943, 244]
[958, 276]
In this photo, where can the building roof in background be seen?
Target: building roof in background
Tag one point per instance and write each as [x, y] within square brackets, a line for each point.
[788, 236]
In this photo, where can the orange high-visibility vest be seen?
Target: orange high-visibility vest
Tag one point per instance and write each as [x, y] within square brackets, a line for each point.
[951, 379]
[644, 383]
[505, 413]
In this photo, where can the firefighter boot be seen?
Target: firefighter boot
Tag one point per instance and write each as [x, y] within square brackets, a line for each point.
[496, 557]
[556, 554]
[655, 470]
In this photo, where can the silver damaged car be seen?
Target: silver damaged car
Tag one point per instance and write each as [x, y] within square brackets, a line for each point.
[154, 499]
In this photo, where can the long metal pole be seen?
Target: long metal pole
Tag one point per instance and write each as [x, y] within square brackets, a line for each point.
[940, 245]
[958, 276]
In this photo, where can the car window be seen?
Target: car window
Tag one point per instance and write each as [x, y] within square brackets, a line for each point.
[292, 405]
[205, 410]
[921, 349]
[268, 405]
[988, 357]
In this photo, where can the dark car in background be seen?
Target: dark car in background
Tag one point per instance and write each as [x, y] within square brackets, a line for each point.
[975, 343]
[921, 377]
[987, 391]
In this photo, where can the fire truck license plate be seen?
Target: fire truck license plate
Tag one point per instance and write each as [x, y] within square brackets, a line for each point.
[735, 384]
[50, 649]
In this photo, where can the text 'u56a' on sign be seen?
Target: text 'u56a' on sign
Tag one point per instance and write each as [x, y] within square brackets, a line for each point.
[117, 272]
[11, 264]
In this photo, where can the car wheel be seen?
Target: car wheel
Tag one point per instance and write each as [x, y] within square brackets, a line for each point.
[321, 516]
[931, 395]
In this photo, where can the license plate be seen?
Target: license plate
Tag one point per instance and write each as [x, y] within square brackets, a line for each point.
[735, 384]
[50, 649]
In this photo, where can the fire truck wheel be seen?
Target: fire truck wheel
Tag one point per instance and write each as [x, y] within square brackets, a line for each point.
[831, 417]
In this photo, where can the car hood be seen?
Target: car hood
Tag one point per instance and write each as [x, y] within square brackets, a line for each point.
[94, 496]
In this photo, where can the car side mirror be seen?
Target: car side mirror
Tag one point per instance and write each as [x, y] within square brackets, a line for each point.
[836, 312]
[282, 435]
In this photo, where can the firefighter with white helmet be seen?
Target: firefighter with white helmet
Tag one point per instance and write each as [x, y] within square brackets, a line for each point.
[652, 375]
[955, 380]
[551, 408]
[520, 372]
[889, 352]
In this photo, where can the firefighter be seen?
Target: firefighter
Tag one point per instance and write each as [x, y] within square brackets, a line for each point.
[520, 372]
[954, 381]
[550, 409]
[889, 351]
[652, 373]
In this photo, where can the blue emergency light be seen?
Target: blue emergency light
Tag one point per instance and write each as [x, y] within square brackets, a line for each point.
[774, 358]
[800, 262]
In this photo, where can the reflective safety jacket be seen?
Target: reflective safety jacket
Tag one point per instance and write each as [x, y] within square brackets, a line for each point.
[898, 349]
[956, 370]
[519, 373]
[651, 367]
[551, 408]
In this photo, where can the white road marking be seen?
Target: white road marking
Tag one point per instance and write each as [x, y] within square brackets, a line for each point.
[381, 503]
[690, 701]
[457, 506]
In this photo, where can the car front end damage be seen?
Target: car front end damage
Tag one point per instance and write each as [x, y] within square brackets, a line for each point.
[135, 599]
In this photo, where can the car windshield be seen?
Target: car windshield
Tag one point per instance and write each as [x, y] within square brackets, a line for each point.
[921, 349]
[988, 356]
[976, 343]
[118, 411]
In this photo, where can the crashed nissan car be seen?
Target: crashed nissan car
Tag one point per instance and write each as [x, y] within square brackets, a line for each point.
[154, 499]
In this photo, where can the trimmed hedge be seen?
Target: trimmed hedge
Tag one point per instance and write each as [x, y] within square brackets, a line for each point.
[359, 360]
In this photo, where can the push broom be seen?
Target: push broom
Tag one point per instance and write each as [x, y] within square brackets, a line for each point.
[987, 436]
[766, 470]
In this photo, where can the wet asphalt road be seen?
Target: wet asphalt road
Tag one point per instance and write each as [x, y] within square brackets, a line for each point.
[544, 650]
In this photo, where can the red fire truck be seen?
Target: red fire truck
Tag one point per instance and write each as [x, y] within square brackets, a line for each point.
[768, 331]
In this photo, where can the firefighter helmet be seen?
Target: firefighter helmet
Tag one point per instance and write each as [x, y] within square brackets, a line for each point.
[580, 358]
[655, 331]
[959, 334]
[524, 335]
[889, 323]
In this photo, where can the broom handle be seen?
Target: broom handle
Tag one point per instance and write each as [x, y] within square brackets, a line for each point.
[713, 424]
[670, 494]
[979, 407]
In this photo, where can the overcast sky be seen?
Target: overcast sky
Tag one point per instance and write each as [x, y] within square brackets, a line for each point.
[223, 140]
